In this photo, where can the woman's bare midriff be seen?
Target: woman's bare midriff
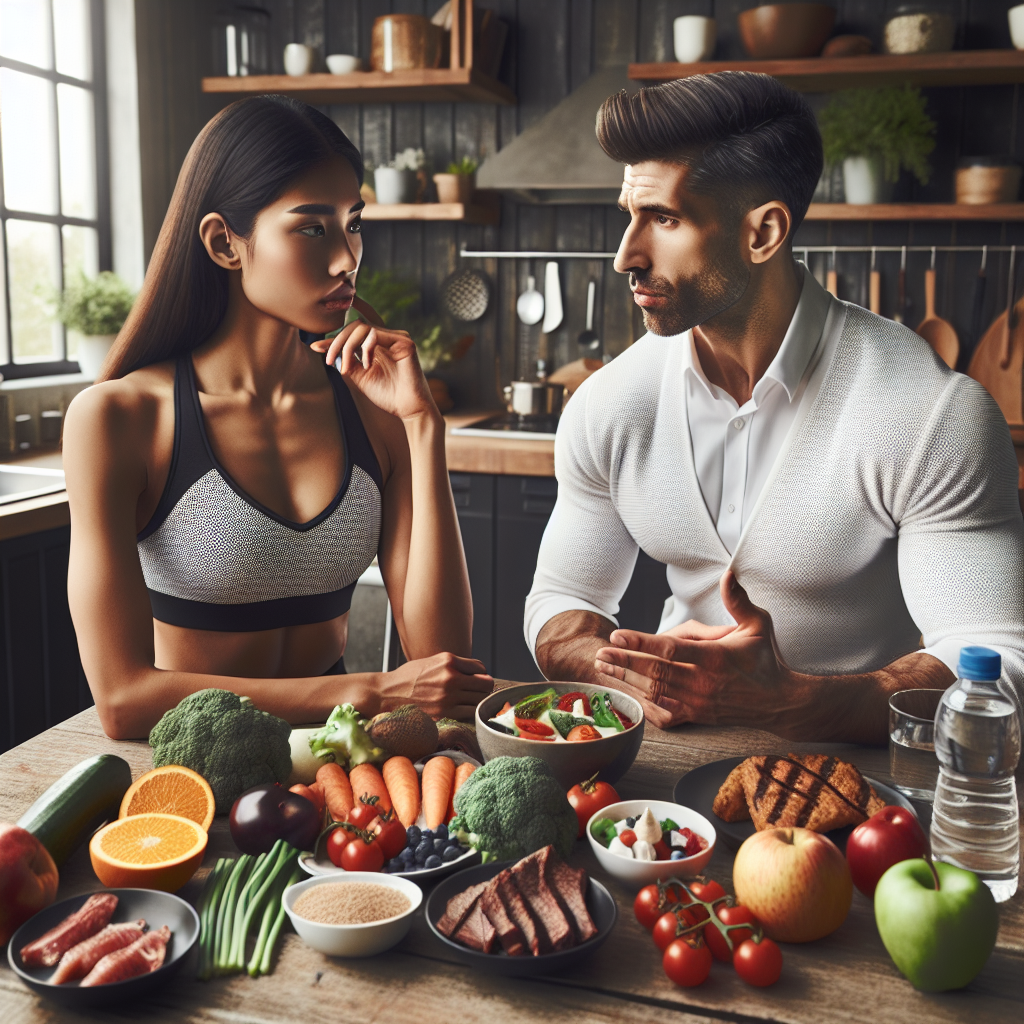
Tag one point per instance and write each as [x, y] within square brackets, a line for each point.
[292, 652]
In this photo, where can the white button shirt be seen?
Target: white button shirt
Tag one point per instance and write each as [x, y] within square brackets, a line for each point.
[735, 447]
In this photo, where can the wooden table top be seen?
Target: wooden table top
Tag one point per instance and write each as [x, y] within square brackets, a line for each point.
[845, 977]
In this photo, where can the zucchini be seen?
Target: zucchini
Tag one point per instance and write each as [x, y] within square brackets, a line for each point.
[77, 804]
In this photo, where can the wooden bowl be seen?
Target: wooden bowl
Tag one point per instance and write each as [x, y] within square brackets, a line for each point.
[781, 31]
[415, 43]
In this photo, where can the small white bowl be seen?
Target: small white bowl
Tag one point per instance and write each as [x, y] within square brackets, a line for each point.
[643, 872]
[354, 939]
[343, 64]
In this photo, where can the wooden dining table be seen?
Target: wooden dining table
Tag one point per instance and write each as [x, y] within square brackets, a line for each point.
[847, 976]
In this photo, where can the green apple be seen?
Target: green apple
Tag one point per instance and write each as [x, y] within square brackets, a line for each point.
[939, 938]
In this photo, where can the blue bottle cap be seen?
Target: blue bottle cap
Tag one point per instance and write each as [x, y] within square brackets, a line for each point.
[979, 663]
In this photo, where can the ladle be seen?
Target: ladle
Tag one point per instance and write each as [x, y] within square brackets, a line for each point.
[530, 305]
[588, 341]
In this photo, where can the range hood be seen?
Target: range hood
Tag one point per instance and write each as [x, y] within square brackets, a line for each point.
[559, 160]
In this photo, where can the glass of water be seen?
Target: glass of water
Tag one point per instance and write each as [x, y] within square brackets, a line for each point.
[912, 762]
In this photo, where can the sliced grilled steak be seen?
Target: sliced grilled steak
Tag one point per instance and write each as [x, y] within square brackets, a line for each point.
[555, 932]
[458, 909]
[570, 885]
[518, 910]
[476, 931]
[509, 935]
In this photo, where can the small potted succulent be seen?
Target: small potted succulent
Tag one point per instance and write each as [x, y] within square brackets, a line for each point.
[95, 308]
[874, 134]
[397, 181]
[458, 183]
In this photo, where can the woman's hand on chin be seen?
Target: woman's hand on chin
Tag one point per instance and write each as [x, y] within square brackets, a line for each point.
[444, 685]
[384, 366]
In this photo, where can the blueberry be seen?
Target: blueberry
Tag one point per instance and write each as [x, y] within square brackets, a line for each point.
[412, 835]
[395, 864]
[451, 853]
[441, 831]
[454, 844]
[677, 855]
[433, 861]
[439, 845]
[630, 822]
[424, 850]
[408, 855]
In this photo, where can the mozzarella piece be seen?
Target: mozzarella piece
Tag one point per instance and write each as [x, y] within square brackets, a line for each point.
[577, 709]
[643, 850]
[647, 827]
[620, 827]
[619, 847]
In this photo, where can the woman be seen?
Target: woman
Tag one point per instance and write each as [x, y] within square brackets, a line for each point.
[227, 487]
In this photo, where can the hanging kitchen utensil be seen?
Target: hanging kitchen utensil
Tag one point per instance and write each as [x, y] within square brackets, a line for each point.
[901, 289]
[465, 294]
[939, 333]
[874, 287]
[530, 305]
[1004, 384]
[588, 341]
[977, 311]
[832, 278]
[552, 298]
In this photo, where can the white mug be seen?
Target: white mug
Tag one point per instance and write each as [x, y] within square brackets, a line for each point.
[298, 58]
[693, 38]
[1016, 19]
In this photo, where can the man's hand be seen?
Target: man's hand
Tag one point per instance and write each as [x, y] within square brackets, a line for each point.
[712, 675]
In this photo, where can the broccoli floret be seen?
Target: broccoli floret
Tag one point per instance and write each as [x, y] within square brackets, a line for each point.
[513, 806]
[223, 737]
[344, 739]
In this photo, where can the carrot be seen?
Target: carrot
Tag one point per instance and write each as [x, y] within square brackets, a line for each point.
[337, 791]
[315, 798]
[367, 780]
[438, 776]
[462, 773]
[404, 788]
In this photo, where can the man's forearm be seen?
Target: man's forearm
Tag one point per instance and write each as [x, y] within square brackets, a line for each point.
[568, 643]
[854, 708]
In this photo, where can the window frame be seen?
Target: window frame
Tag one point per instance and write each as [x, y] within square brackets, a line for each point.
[10, 369]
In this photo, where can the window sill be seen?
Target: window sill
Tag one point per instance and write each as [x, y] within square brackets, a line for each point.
[53, 380]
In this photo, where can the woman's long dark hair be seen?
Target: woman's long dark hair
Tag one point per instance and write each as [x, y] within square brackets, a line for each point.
[239, 164]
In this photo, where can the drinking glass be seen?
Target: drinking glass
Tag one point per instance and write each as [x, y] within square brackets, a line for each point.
[912, 762]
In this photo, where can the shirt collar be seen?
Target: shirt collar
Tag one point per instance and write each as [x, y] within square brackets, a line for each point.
[798, 345]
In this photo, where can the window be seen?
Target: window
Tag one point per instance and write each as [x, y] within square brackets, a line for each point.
[54, 194]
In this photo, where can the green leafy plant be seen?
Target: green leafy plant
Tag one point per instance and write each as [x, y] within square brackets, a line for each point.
[96, 305]
[466, 166]
[889, 123]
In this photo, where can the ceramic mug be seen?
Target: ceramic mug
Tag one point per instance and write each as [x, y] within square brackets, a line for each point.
[693, 38]
[298, 59]
[1015, 15]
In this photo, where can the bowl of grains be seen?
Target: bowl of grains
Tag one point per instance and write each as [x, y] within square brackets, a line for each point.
[360, 913]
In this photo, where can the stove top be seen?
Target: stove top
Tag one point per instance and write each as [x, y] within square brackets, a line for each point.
[510, 424]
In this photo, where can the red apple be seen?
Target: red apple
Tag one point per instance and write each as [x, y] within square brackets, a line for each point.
[795, 881]
[28, 878]
[887, 837]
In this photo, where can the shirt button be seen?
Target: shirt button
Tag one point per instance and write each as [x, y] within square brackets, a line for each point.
[732, 508]
[738, 424]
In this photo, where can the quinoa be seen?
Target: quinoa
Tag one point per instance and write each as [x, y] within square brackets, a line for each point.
[350, 903]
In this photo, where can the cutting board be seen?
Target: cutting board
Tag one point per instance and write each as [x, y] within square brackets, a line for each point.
[1004, 384]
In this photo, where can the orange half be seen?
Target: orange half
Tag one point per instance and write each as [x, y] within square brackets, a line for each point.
[148, 851]
[171, 790]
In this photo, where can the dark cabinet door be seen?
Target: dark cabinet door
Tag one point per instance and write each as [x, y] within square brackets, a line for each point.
[474, 504]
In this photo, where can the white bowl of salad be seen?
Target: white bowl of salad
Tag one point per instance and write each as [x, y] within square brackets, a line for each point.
[580, 730]
[641, 841]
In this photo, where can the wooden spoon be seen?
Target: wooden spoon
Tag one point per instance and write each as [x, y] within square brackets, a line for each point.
[939, 333]
[875, 288]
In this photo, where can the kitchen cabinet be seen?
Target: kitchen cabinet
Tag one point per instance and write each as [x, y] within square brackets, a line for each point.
[502, 519]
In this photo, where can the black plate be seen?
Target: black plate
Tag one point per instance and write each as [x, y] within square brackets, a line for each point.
[599, 902]
[698, 789]
[158, 909]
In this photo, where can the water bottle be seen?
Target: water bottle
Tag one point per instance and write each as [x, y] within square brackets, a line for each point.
[977, 742]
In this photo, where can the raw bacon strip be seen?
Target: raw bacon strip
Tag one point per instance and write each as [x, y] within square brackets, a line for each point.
[141, 957]
[85, 922]
[79, 960]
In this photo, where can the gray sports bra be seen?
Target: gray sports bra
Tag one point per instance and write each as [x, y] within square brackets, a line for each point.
[215, 558]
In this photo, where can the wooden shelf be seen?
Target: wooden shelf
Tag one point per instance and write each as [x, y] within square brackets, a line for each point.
[472, 213]
[915, 211]
[827, 74]
[423, 85]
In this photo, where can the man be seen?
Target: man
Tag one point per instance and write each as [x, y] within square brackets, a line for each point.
[822, 489]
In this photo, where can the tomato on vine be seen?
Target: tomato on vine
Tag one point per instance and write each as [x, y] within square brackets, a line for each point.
[758, 963]
[687, 963]
[729, 916]
[648, 906]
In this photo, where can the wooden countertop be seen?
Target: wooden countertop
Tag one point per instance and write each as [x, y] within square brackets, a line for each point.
[512, 456]
[846, 977]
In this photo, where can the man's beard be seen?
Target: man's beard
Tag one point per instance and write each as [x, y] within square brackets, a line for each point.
[719, 284]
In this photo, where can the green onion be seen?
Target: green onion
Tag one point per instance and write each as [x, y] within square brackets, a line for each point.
[275, 931]
[225, 913]
[207, 909]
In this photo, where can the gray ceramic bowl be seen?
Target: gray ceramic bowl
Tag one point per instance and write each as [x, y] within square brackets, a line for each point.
[609, 757]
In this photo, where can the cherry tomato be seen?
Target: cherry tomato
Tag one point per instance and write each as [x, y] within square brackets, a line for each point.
[758, 963]
[582, 734]
[664, 931]
[685, 964]
[568, 699]
[716, 940]
[662, 850]
[392, 837]
[589, 797]
[646, 907]
[534, 728]
[627, 837]
[361, 814]
[336, 843]
[360, 855]
[707, 891]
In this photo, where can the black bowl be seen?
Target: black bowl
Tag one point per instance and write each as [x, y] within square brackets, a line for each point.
[158, 909]
[599, 902]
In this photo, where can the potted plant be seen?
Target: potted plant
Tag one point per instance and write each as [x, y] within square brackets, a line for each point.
[458, 183]
[96, 308]
[396, 181]
[874, 134]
